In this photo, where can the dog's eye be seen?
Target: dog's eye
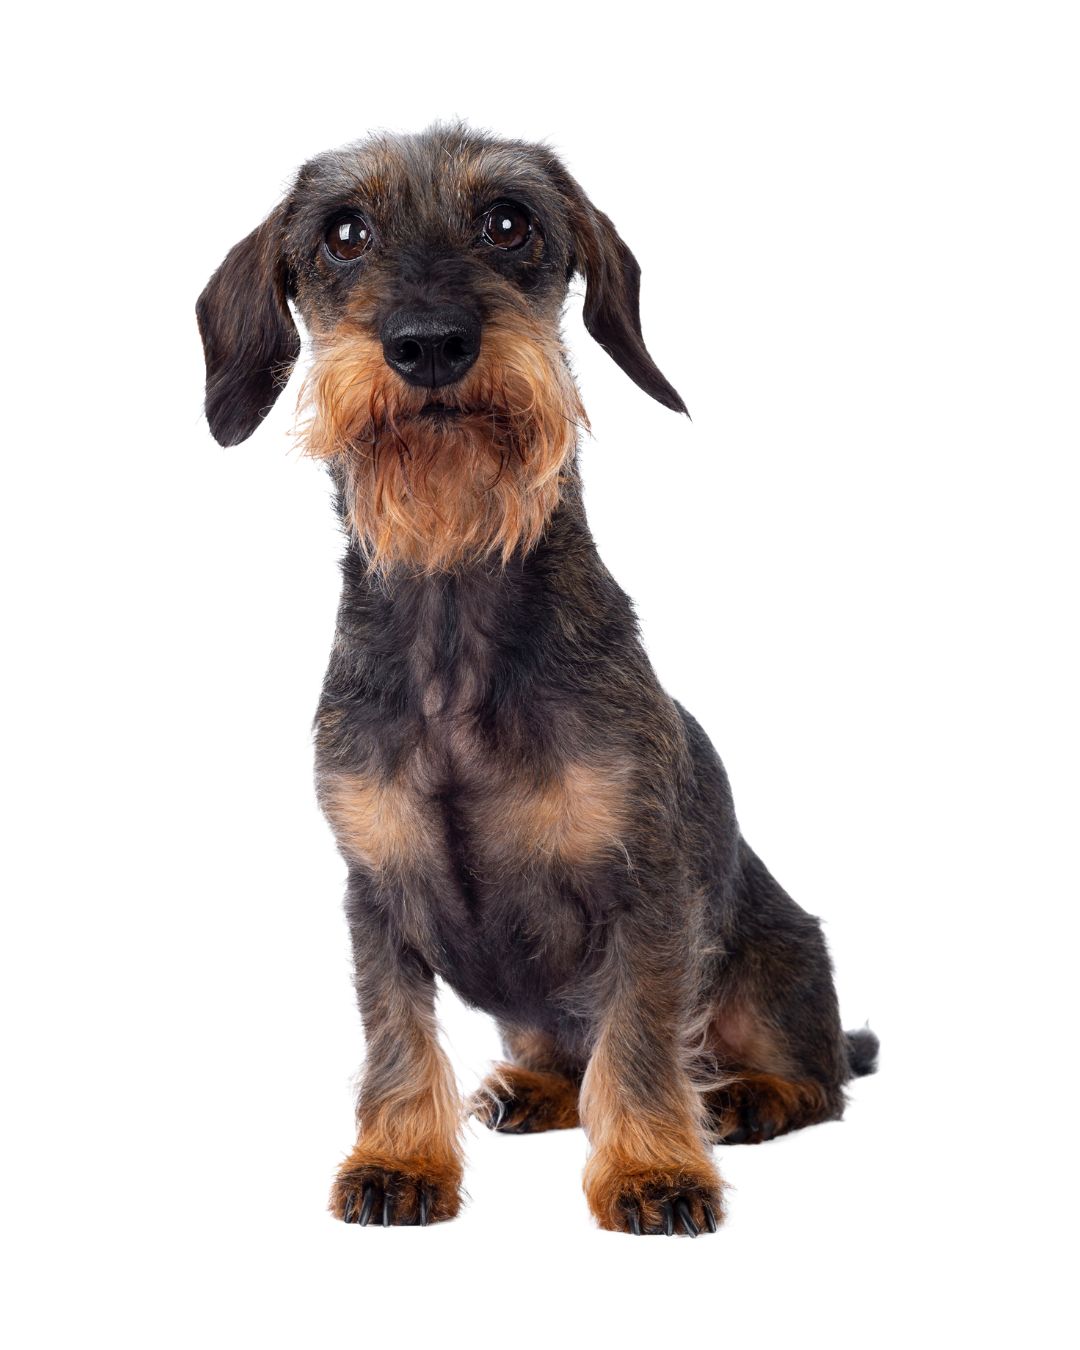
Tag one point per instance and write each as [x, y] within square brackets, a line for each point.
[348, 237]
[507, 226]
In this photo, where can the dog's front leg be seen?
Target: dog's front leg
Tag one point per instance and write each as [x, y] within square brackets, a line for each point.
[650, 1170]
[406, 1167]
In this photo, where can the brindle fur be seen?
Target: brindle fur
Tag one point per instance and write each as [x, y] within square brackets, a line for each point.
[524, 812]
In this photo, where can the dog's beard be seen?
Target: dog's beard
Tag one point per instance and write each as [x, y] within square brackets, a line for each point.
[436, 477]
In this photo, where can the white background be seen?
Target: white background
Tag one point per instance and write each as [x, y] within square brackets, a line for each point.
[858, 226]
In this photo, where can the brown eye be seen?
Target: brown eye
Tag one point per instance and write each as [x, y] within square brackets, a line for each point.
[348, 237]
[507, 226]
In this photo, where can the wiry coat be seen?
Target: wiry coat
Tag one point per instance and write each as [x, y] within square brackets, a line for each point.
[523, 810]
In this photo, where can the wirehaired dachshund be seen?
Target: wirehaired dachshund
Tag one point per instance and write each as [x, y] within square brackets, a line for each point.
[523, 811]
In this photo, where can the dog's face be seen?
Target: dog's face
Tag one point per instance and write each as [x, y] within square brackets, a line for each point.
[431, 272]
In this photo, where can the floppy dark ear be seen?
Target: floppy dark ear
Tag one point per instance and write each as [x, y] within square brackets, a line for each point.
[249, 338]
[612, 283]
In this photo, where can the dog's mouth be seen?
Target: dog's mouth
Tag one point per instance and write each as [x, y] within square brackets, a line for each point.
[437, 411]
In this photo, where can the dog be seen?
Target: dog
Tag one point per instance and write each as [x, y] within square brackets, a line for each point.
[522, 809]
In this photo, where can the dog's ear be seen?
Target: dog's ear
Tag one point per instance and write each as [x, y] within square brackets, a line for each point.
[249, 338]
[612, 285]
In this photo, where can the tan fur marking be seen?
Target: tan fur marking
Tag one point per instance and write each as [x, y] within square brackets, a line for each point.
[421, 1118]
[526, 1101]
[409, 1120]
[377, 822]
[642, 1155]
[431, 493]
[574, 818]
[774, 1106]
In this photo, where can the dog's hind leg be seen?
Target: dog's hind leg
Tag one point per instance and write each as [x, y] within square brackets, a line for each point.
[775, 1032]
[536, 1089]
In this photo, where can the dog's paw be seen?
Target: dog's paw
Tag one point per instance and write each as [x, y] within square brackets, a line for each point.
[386, 1191]
[757, 1107]
[522, 1101]
[653, 1201]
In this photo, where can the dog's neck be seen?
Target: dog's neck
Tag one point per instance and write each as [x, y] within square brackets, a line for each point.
[438, 638]
[502, 583]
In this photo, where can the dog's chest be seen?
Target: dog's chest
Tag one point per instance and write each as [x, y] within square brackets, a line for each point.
[456, 808]
[489, 834]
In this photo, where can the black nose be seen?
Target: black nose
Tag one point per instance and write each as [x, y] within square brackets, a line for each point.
[433, 346]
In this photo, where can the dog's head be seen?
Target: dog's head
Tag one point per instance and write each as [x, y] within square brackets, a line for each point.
[431, 272]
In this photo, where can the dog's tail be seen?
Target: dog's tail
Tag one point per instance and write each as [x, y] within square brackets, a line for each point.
[862, 1051]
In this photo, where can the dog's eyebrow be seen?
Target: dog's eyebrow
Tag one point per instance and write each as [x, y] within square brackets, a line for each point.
[484, 191]
[373, 190]
[345, 179]
[529, 188]
[492, 172]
